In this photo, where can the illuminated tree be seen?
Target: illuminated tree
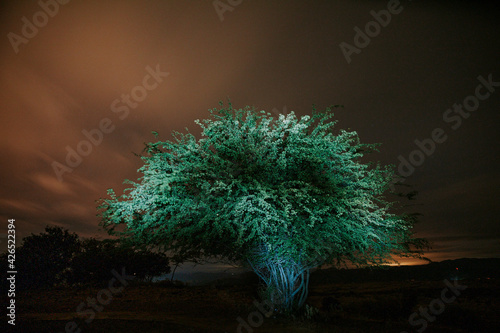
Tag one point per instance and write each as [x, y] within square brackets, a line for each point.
[284, 195]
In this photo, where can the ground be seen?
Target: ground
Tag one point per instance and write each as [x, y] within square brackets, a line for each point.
[382, 306]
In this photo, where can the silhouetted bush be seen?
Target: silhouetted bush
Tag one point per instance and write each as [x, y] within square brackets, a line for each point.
[57, 257]
[94, 263]
[41, 260]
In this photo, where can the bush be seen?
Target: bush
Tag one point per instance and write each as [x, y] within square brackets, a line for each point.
[57, 257]
[98, 258]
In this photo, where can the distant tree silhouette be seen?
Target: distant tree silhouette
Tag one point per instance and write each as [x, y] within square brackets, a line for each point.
[60, 257]
[92, 263]
[44, 259]
[147, 265]
[96, 259]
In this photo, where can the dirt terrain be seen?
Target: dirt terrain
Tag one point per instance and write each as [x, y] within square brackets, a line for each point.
[362, 307]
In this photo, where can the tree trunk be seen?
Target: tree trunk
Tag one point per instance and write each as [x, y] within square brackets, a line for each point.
[173, 272]
[287, 283]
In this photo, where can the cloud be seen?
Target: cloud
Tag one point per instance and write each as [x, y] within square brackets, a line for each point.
[25, 206]
[51, 184]
[265, 54]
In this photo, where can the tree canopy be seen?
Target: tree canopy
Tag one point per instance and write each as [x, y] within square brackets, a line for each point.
[286, 191]
[289, 183]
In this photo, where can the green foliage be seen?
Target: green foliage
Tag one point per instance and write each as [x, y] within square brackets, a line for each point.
[290, 185]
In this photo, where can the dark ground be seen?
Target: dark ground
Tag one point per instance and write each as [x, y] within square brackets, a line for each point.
[375, 306]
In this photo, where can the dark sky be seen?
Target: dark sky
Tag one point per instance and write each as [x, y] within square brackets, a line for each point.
[283, 55]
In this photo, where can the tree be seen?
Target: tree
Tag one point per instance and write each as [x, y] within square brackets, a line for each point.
[45, 258]
[149, 264]
[60, 257]
[93, 264]
[284, 195]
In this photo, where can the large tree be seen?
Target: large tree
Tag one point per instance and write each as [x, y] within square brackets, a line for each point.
[284, 195]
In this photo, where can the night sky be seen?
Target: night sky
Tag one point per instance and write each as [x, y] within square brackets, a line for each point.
[126, 68]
